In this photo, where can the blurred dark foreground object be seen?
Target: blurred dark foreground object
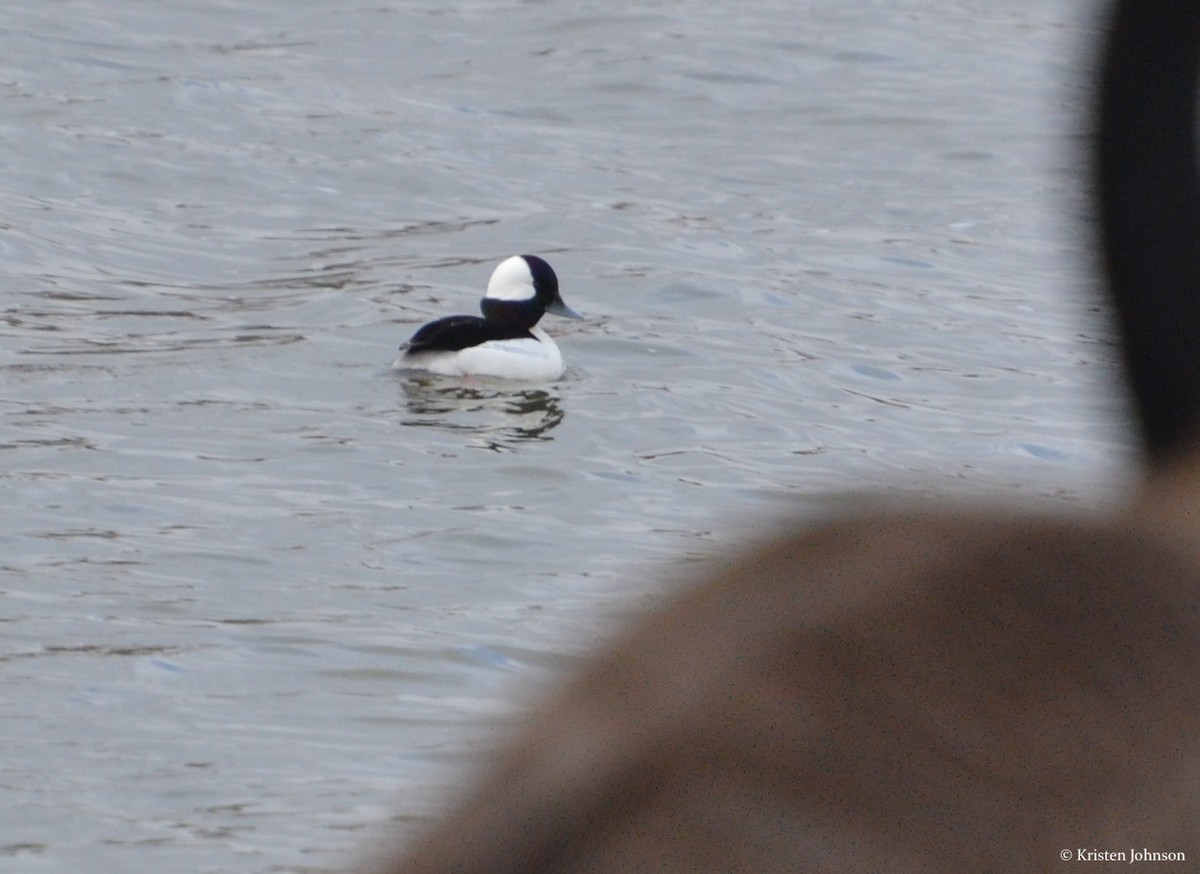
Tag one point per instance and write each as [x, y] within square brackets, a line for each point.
[919, 691]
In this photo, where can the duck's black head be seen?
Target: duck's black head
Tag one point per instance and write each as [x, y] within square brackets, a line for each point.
[521, 290]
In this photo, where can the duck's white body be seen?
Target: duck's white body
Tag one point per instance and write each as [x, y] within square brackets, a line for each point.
[522, 358]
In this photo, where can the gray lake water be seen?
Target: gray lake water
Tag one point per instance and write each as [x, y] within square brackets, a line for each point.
[263, 600]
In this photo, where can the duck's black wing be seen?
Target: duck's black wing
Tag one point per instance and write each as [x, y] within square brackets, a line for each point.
[453, 333]
[449, 334]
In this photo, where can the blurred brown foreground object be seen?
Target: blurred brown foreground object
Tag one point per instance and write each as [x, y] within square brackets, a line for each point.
[921, 690]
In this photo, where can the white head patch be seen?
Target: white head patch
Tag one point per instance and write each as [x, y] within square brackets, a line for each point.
[511, 280]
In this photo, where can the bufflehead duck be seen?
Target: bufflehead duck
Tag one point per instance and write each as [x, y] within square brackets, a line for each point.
[506, 342]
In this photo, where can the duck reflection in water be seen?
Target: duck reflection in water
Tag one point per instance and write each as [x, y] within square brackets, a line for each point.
[496, 416]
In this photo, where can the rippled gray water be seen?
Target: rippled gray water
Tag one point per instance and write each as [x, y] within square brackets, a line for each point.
[259, 595]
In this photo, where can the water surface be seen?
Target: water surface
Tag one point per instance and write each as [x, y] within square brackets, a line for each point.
[260, 595]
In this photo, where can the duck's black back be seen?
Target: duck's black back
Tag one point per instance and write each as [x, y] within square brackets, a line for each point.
[455, 333]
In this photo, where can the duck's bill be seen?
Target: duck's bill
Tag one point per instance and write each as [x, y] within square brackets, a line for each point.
[559, 308]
